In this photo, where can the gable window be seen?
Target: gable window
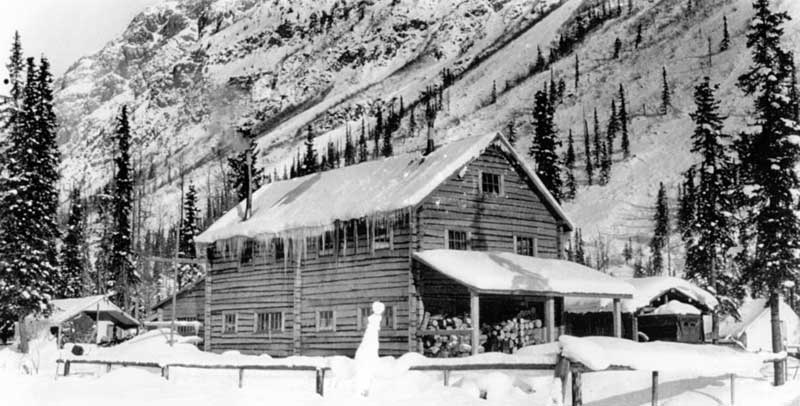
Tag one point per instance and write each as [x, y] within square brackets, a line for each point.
[388, 321]
[525, 246]
[326, 320]
[491, 183]
[383, 236]
[457, 240]
[326, 243]
[269, 322]
[229, 321]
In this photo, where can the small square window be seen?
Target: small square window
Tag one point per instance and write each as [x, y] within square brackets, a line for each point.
[525, 246]
[251, 250]
[326, 320]
[387, 321]
[457, 240]
[229, 321]
[326, 243]
[383, 239]
[490, 183]
[311, 245]
[269, 322]
[278, 246]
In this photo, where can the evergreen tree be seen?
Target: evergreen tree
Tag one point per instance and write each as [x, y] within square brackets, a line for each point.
[660, 238]
[598, 144]
[310, 159]
[570, 188]
[627, 252]
[577, 71]
[72, 259]
[386, 149]
[511, 133]
[16, 68]
[623, 123]
[687, 203]
[363, 150]
[545, 142]
[540, 63]
[189, 230]
[580, 252]
[613, 128]
[638, 40]
[617, 48]
[493, 97]
[768, 157]
[349, 148]
[588, 153]
[726, 37]
[121, 248]
[331, 157]
[238, 173]
[605, 164]
[666, 96]
[29, 198]
[377, 135]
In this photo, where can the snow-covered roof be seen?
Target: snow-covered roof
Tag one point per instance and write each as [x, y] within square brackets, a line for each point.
[382, 186]
[645, 291]
[504, 272]
[676, 307]
[755, 321]
[197, 283]
[66, 309]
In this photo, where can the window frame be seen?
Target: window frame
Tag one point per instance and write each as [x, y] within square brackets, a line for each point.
[225, 322]
[388, 244]
[533, 243]
[361, 320]
[255, 249]
[323, 249]
[318, 314]
[500, 183]
[448, 239]
[269, 318]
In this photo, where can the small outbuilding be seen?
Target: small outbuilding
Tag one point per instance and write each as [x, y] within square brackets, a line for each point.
[753, 330]
[189, 309]
[662, 308]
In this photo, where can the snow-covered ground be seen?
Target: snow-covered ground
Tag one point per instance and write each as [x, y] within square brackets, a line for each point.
[689, 375]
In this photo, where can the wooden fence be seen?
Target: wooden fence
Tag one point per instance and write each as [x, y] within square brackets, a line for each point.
[165, 368]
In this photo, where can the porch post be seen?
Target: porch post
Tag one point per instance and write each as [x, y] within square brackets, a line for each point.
[475, 315]
[550, 318]
[617, 317]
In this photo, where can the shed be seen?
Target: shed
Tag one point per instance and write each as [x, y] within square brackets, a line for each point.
[662, 308]
[753, 330]
[76, 319]
[189, 307]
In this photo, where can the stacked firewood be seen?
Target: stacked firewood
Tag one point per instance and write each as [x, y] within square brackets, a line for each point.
[445, 345]
[509, 335]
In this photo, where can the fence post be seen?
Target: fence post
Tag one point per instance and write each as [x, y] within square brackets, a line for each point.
[446, 374]
[66, 367]
[654, 393]
[577, 384]
[166, 372]
[108, 367]
[241, 376]
[733, 390]
[562, 372]
[321, 381]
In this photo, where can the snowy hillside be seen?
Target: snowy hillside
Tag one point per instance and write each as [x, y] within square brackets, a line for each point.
[192, 70]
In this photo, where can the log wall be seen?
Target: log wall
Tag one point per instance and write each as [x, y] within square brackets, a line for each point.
[189, 305]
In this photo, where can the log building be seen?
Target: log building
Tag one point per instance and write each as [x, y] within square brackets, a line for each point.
[298, 275]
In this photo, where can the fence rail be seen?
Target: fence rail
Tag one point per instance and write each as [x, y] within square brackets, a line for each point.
[165, 368]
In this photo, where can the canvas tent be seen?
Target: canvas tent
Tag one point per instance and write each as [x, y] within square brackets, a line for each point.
[753, 331]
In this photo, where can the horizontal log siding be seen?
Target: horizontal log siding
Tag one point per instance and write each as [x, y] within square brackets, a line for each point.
[458, 204]
[342, 283]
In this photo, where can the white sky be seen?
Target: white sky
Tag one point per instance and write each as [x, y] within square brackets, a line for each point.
[63, 30]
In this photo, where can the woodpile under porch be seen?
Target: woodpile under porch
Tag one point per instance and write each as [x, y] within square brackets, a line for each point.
[498, 299]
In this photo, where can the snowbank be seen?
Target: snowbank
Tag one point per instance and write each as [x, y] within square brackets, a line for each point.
[676, 307]
[645, 290]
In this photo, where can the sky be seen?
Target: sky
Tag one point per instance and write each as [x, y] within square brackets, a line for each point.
[64, 30]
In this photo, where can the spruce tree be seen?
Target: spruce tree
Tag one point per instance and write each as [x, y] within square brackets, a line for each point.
[613, 128]
[617, 48]
[726, 37]
[511, 133]
[660, 238]
[238, 173]
[623, 124]
[588, 153]
[121, 247]
[570, 188]
[189, 230]
[598, 144]
[638, 40]
[768, 156]
[605, 164]
[378, 134]
[545, 142]
[386, 149]
[363, 149]
[580, 251]
[666, 96]
[540, 63]
[687, 203]
[16, 70]
[72, 258]
[493, 96]
[349, 148]
[310, 159]
[627, 251]
[577, 71]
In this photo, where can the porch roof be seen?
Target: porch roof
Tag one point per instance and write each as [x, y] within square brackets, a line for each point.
[506, 273]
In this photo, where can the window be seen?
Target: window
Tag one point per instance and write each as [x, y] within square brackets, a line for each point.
[326, 320]
[250, 251]
[362, 236]
[491, 183]
[383, 237]
[457, 240]
[342, 231]
[525, 246]
[269, 322]
[277, 245]
[326, 243]
[311, 245]
[187, 330]
[388, 322]
[229, 321]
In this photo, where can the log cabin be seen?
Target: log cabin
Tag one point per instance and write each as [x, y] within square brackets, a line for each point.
[467, 230]
[189, 306]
